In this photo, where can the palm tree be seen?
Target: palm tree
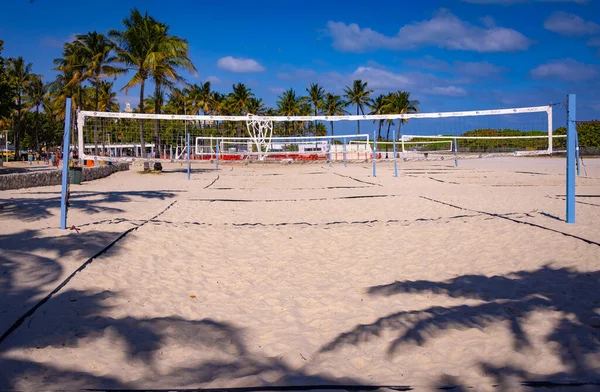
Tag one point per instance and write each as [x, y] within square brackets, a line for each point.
[108, 98]
[204, 97]
[240, 98]
[316, 94]
[153, 101]
[200, 98]
[256, 106]
[36, 94]
[21, 77]
[399, 102]
[217, 104]
[334, 106]
[91, 55]
[6, 88]
[289, 104]
[377, 108]
[358, 95]
[177, 101]
[146, 48]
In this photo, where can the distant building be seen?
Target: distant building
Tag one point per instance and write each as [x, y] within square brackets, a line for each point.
[128, 108]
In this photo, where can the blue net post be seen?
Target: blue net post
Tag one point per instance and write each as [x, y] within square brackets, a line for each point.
[374, 154]
[330, 152]
[345, 164]
[395, 162]
[571, 160]
[189, 165]
[217, 159]
[455, 152]
[64, 196]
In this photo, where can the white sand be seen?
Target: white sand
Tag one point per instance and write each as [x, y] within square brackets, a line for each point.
[284, 275]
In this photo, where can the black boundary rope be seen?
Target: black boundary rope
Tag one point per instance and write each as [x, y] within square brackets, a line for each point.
[215, 180]
[516, 221]
[325, 387]
[31, 311]
[351, 387]
[356, 179]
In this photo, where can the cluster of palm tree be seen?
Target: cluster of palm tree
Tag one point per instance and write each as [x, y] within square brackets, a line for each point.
[145, 50]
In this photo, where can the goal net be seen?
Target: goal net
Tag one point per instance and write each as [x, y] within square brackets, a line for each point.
[162, 137]
[285, 148]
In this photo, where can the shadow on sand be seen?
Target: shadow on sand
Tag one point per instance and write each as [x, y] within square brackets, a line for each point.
[512, 298]
[91, 202]
[73, 318]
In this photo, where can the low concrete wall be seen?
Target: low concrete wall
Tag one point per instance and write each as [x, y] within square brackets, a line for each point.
[54, 177]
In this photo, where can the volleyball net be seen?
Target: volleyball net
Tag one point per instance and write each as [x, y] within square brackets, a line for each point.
[162, 137]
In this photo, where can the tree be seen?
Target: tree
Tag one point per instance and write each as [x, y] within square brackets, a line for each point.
[399, 102]
[36, 94]
[377, 107]
[6, 88]
[146, 47]
[358, 95]
[177, 101]
[334, 106]
[21, 76]
[92, 58]
[290, 104]
[316, 94]
[108, 98]
[256, 106]
[239, 99]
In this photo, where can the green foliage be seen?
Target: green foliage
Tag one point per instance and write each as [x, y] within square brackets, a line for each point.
[6, 87]
[588, 134]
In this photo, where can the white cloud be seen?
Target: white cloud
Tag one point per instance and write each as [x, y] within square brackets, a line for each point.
[379, 78]
[570, 25]
[416, 82]
[239, 65]
[213, 79]
[444, 30]
[567, 70]
[449, 91]
[469, 69]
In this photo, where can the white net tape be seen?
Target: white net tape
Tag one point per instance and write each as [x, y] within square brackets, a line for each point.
[261, 132]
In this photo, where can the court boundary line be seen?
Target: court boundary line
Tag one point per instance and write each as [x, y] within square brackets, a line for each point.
[31, 311]
[515, 220]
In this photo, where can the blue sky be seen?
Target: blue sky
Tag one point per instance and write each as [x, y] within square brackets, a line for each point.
[451, 55]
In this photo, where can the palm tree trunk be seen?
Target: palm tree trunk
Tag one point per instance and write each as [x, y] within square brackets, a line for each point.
[379, 135]
[96, 123]
[142, 144]
[156, 121]
[388, 131]
[18, 127]
[37, 126]
[358, 121]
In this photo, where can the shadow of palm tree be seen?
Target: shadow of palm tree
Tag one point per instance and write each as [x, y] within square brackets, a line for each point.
[91, 202]
[513, 298]
[143, 341]
[72, 319]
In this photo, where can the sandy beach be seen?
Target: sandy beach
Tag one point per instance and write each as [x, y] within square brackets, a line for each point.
[256, 275]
